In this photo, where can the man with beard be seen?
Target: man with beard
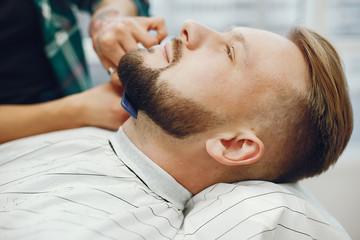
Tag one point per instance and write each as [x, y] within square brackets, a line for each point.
[234, 118]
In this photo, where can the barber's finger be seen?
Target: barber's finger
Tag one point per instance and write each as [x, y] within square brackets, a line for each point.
[161, 34]
[144, 37]
[111, 70]
[115, 79]
[111, 49]
[118, 88]
[158, 24]
[127, 42]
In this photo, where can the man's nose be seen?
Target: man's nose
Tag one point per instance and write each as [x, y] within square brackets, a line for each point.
[195, 34]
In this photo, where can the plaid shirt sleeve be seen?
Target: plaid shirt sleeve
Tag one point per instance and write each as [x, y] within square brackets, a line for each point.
[63, 42]
[142, 6]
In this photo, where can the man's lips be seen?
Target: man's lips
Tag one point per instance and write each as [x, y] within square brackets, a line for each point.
[167, 48]
[163, 50]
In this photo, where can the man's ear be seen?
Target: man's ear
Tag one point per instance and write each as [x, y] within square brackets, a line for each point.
[239, 150]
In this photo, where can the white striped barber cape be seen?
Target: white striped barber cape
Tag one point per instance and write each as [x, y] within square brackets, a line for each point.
[257, 210]
[76, 184]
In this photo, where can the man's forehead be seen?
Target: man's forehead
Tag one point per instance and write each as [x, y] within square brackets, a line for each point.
[243, 31]
[236, 29]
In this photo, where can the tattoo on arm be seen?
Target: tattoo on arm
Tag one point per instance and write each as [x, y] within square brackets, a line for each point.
[101, 5]
[101, 19]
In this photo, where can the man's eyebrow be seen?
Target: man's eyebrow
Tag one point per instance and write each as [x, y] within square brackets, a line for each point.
[230, 29]
[238, 36]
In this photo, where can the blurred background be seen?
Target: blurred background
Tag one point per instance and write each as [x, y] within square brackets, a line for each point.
[337, 20]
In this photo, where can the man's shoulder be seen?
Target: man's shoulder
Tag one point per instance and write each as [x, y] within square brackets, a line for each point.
[246, 191]
[258, 210]
[84, 136]
[83, 132]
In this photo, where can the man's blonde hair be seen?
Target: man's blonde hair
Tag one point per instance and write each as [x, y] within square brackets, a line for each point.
[324, 125]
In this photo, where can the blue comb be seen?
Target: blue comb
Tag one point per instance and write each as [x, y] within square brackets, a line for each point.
[128, 107]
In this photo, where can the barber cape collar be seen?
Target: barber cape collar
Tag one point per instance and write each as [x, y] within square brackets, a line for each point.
[125, 103]
[151, 174]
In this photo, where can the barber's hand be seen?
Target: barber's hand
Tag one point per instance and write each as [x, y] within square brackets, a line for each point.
[114, 35]
[101, 107]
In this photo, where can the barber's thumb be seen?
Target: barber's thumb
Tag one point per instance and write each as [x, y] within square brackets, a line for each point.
[149, 40]
[157, 24]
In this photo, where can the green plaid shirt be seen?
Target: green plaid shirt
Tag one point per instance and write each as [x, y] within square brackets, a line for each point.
[63, 42]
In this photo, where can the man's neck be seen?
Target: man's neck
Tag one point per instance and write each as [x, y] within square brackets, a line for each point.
[185, 160]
